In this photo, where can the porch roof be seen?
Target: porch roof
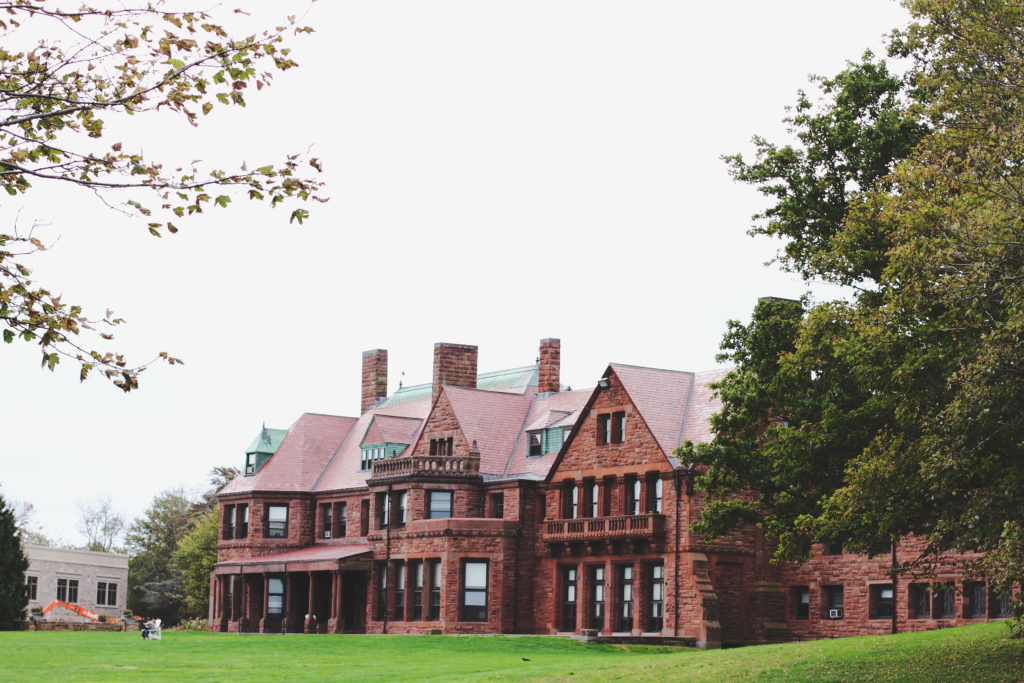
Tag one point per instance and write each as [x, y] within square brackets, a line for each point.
[326, 556]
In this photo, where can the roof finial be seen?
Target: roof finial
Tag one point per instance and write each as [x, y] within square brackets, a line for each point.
[474, 449]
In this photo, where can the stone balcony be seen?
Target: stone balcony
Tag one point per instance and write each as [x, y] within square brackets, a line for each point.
[427, 465]
[650, 526]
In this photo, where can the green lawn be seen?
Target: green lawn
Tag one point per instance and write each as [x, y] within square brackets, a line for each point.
[972, 653]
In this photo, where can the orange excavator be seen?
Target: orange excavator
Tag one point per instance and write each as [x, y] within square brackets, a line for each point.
[77, 609]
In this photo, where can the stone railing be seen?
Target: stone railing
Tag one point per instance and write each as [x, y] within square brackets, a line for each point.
[600, 528]
[436, 465]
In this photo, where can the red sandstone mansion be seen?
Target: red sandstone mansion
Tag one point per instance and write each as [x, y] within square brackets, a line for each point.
[501, 503]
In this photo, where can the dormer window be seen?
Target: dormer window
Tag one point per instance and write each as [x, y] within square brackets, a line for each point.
[536, 440]
[250, 464]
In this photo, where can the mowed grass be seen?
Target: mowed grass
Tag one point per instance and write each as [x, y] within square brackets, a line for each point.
[972, 653]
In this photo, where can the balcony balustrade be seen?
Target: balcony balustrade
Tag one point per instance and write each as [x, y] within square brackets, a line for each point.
[428, 465]
[603, 528]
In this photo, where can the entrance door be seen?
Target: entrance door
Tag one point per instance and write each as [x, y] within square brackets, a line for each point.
[353, 601]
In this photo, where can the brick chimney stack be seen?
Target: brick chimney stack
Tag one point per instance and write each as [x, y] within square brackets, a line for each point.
[550, 365]
[375, 378]
[454, 365]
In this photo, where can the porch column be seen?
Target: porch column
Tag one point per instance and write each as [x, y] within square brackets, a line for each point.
[582, 596]
[265, 608]
[336, 623]
[237, 589]
[639, 597]
[286, 614]
[310, 626]
[609, 598]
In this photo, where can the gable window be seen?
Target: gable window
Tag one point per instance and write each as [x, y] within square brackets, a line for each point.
[275, 596]
[833, 602]
[536, 440]
[881, 601]
[435, 590]
[277, 521]
[440, 504]
[801, 602]
[474, 590]
[106, 593]
[32, 587]
[974, 600]
[442, 446]
[920, 600]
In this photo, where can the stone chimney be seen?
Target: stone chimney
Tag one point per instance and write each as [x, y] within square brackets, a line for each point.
[550, 364]
[454, 365]
[375, 378]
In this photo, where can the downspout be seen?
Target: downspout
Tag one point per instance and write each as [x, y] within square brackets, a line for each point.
[675, 580]
[895, 629]
[387, 556]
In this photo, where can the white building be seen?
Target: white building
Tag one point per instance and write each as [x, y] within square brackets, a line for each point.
[95, 581]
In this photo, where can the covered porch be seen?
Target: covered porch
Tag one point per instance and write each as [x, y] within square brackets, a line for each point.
[311, 590]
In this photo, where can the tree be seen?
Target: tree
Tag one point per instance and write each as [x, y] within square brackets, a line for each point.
[65, 72]
[100, 524]
[25, 519]
[195, 556]
[13, 563]
[155, 587]
[896, 412]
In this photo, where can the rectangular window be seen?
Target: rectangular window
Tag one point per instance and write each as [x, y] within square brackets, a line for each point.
[326, 520]
[32, 587]
[111, 594]
[597, 598]
[974, 600]
[569, 586]
[920, 601]
[106, 593]
[593, 498]
[383, 510]
[632, 495]
[277, 521]
[944, 602]
[339, 519]
[474, 590]
[442, 446]
[604, 429]
[382, 590]
[440, 504]
[229, 522]
[801, 602]
[654, 493]
[833, 602]
[536, 440]
[416, 571]
[618, 427]
[625, 620]
[881, 601]
[656, 609]
[435, 590]
[402, 508]
[832, 548]
[496, 505]
[242, 511]
[275, 596]
[250, 464]
[364, 516]
[398, 614]
[62, 590]
[1002, 605]
[572, 500]
[606, 504]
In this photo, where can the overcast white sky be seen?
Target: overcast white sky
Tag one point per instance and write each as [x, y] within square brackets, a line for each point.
[499, 172]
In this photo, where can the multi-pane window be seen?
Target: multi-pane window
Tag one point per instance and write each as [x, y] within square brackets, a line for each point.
[242, 514]
[536, 441]
[569, 590]
[326, 520]
[606, 504]
[974, 600]
[229, 522]
[1002, 605]
[371, 454]
[416, 571]
[593, 491]
[250, 464]
[435, 590]
[474, 590]
[657, 492]
[403, 508]
[656, 610]
[383, 510]
[625, 622]
[442, 446]
[382, 590]
[440, 504]
[275, 596]
[944, 604]
[632, 495]
[338, 515]
[920, 601]
[398, 614]
[67, 590]
[496, 505]
[572, 501]
[32, 587]
[597, 598]
[801, 602]
[834, 600]
[277, 521]
[881, 601]
[611, 428]
[106, 593]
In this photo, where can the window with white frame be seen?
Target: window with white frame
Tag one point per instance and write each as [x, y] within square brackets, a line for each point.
[474, 590]
[277, 521]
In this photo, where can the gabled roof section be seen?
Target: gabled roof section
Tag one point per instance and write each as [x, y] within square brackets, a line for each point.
[392, 429]
[703, 404]
[342, 472]
[493, 419]
[267, 441]
[301, 457]
[566, 406]
[513, 380]
[662, 397]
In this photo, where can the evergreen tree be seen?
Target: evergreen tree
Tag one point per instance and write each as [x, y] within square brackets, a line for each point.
[13, 564]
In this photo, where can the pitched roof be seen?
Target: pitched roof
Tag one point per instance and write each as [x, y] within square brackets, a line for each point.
[493, 419]
[311, 441]
[392, 429]
[662, 397]
[703, 404]
[543, 411]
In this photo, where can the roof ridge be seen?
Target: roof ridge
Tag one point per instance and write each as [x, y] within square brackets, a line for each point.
[483, 391]
[647, 367]
[340, 417]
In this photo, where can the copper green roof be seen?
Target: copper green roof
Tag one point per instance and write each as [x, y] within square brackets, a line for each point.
[267, 441]
[498, 380]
